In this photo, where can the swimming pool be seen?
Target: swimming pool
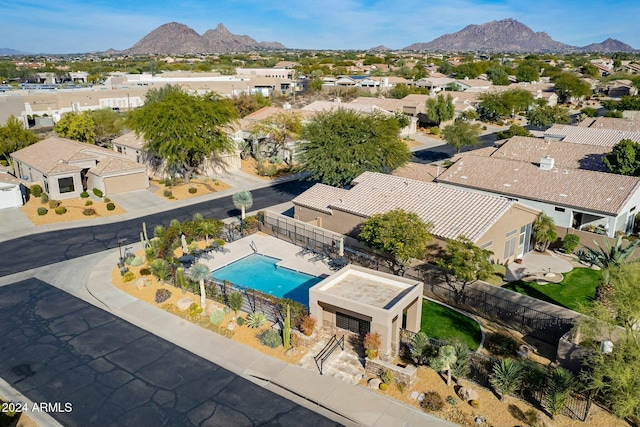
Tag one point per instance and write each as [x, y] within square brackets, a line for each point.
[261, 273]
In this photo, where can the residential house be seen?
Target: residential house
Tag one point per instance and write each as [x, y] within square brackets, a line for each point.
[545, 91]
[620, 88]
[495, 223]
[435, 84]
[574, 198]
[12, 191]
[66, 168]
[623, 125]
[630, 67]
[473, 85]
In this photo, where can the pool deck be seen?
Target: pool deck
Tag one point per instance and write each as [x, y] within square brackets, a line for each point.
[291, 256]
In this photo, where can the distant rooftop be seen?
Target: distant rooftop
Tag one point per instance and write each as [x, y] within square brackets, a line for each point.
[589, 135]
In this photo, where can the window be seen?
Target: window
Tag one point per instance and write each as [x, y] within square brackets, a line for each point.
[511, 233]
[353, 324]
[509, 248]
[632, 209]
[486, 245]
[119, 148]
[557, 209]
[66, 185]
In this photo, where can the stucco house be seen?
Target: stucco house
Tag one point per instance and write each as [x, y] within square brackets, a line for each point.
[495, 223]
[575, 198]
[66, 168]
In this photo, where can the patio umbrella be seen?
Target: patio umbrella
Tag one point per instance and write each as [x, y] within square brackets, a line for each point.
[183, 239]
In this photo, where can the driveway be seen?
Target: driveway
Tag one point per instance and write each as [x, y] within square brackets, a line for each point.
[58, 348]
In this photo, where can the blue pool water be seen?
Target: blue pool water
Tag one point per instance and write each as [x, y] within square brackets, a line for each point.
[260, 272]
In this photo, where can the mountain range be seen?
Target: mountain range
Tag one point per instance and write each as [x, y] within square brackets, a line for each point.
[509, 35]
[178, 39]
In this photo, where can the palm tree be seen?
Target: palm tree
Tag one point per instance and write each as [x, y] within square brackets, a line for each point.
[160, 268]
[446, 358]
[419, 348]
[242, 200]
[208, 228]
[201, 272]
[544, 231]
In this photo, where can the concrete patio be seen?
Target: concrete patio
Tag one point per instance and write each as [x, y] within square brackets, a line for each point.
[537, 264]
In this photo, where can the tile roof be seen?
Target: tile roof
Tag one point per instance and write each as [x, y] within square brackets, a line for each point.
[582, 189]
[418, 171]
[453, 212]
[586, 135]
[388, 104]
[7, 178]
[131, 140]
[565, 154]
[112, 165]
[626, 125]
[320, 106]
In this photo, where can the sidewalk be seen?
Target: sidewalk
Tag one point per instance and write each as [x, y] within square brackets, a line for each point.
[355, 405]
[14, 224]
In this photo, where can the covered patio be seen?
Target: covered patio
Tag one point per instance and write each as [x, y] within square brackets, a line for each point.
[544, 266]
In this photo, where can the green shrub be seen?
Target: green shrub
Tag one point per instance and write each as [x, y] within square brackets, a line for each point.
[137, 261]
[44, 198]
[145, 271]
[88, 203]
[194, 309]
[570, 243]
[106, 200]
[432, 401]
[61, 210]
[84, 194]
[193, 190]
[42, 211]
[35, 190]
[98, 192]
[267, 169]
[452, 400]
[256, 320]
[383, 386]
[162, 295]
[168, 194]
[111, 206]
[435, 130]
[235, 301]
[217, 317]
[53, 204]
[386, 376]
[271, 338]
[240, 321]
[128, 276]
[501, 345]
[88, 211]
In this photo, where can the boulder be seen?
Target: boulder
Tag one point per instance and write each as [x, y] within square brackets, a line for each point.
[231, 325]
[467, 394]
[421, 397]
[184, 303]
[374, 383]
[414, 395]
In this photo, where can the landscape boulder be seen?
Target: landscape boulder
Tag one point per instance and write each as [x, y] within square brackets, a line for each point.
[374, 383]
[467, 394]
[184, 303]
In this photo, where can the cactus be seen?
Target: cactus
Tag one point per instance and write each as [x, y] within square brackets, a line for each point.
[144, 231]
[286, 333]
[181, 281]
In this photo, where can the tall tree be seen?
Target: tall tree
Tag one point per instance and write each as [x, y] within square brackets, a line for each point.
[246, 104]
[545, 115]
[182, 129]
[514, 130]
[14, 137]
[341, 144]
[571, 86]
[527, 73]
[624, 158]
[464, 263]
[402, 234]
[440, 109]
[77, 126]
[201, 272]
[462, 134]
[496, 106]
[279, 131]
[243, 201]
[544, 231]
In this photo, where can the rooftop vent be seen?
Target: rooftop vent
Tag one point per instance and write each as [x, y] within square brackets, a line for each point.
[546, 163]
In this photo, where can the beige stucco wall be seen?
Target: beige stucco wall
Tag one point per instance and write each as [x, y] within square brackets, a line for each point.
[515, 218]
[124, 183]
[340, 222]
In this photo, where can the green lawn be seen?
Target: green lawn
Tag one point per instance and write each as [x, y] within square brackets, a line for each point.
[443, 323]
[579, 286]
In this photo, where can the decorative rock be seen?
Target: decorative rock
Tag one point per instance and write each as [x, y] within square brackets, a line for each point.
[231, 325]
[184, 303]
[374, 383]
[139, 283]
[414, 395]
[421, 397]
[291, 351]
[467, 394]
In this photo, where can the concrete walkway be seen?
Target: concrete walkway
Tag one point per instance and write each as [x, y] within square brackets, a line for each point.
[533, 263]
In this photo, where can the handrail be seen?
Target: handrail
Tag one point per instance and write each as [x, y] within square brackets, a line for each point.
[328, 349]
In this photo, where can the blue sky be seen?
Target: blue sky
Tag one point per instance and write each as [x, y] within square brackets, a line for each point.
[71, 26]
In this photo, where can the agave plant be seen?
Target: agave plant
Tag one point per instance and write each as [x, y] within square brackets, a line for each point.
[610, 255]
[256, 320]
[506, 377]
[558, 389]
[420, 348]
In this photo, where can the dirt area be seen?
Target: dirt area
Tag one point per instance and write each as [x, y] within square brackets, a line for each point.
[75, 207]
[181, 190]
[411, 143]
[496, 413]
[250, 166]
[146, 292]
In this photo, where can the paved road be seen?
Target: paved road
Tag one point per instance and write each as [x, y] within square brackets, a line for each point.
[58, 348]
[444, 151]
[25, 253]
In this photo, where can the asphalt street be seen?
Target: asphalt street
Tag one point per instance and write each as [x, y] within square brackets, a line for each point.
[37, 250]
[94, 369]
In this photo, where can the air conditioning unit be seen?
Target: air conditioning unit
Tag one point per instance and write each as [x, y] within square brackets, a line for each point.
[547, 163]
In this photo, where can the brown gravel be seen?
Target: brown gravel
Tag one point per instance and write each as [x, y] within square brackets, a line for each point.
[181, 191]
[74, 211]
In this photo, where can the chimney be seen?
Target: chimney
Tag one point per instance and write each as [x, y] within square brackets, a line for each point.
[546, 163]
